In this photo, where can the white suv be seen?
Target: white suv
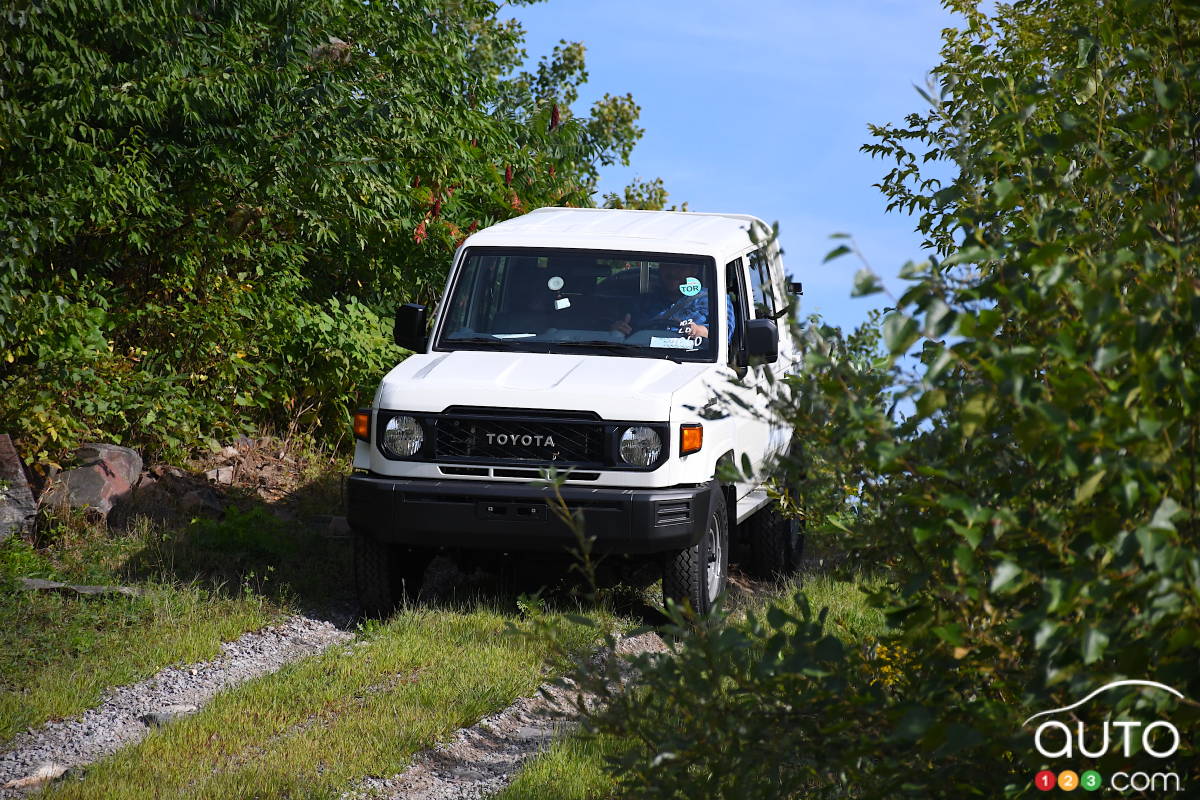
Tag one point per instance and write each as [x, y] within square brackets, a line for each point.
[626, 349]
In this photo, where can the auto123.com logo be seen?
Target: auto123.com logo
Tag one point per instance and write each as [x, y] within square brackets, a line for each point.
[1069, 741]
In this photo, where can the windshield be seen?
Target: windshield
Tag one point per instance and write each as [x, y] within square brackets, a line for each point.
[608, 303]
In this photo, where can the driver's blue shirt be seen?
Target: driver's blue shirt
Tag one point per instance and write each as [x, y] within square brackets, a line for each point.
[655, 312]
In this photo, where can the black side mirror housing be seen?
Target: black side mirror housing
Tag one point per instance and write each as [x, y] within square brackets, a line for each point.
[762, 340]
[409, 330]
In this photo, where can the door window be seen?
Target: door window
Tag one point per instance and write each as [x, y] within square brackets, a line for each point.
[735, 282]
[765, 302]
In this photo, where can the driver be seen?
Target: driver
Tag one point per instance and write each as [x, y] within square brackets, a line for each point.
[669, 307]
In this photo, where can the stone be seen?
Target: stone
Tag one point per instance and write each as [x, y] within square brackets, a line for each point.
[202, 501]
[169, 714]
[220, 475]
[45, 773]
[96, 488]
[121, 460]
[532, 733]
[42, 584]
[17, 508]
[338, 528]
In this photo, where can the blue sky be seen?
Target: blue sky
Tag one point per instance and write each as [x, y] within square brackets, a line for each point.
[761, 108]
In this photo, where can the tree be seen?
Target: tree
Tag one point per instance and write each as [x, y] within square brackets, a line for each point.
[210, 207]
[1035, 519]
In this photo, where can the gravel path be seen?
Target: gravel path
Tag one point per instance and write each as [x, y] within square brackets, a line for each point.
[484, 758]
[125, 713]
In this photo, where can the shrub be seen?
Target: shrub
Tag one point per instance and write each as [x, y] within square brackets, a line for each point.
[1036, 512]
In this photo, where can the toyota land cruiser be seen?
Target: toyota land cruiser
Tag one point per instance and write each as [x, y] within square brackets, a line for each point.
[625, 349]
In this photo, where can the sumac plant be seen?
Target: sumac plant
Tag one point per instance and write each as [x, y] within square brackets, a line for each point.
[209, 209]
[1031, 507]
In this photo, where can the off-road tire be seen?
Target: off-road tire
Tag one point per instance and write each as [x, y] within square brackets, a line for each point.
[775, 544]
[686, 574]
[386, 574]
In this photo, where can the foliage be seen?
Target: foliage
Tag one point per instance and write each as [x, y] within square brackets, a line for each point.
[1035, 512]
[210, 209]
[645, 195]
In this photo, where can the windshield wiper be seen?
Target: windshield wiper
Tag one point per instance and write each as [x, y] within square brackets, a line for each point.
[473, 340]
[618, 347]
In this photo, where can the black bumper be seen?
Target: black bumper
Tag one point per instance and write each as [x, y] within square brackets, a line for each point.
[517, 516]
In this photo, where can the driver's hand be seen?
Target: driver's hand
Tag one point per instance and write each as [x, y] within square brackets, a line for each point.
[623, 326]
[695, 330]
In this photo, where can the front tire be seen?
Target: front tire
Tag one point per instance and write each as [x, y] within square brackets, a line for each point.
[776, 544]
[697, 574]
[385, 574]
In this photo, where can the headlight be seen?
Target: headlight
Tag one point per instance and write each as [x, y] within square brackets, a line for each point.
[403, 436]
[640, 446]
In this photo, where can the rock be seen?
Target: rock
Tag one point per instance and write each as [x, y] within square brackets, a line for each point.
[220, 475]
[202, 501]
[17, 508]
[39, 583]
[338, 528]
[121, 460]
[42, 775]
[168, 714]
[532, 733]
[96, 487]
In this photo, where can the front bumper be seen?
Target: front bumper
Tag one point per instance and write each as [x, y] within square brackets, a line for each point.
[518, 517]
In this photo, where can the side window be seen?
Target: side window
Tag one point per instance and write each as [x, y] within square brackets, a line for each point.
[765, 305]
[735, 283]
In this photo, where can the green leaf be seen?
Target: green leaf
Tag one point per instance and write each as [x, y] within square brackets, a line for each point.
[1002, 190]
[951, 634]
[1005, 576]
[1088, 488]
[1156, 158]
[836, 252]
[914, 723]
[975, 413]
[866, 283]
[930, 402]
[1095, 642]
[1084, 49]
[900, 331]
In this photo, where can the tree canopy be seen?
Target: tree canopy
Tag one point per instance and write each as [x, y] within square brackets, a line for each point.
[209, 207]
[1030, 524]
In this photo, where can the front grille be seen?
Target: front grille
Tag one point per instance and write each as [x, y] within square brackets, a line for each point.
[519, 440]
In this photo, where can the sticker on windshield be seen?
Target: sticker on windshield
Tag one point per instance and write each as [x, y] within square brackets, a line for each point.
[555, 283]
[690, 288]
[562, 303]
[672, 342]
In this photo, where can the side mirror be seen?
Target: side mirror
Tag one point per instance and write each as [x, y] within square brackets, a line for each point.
[762, 340]
[409, 330]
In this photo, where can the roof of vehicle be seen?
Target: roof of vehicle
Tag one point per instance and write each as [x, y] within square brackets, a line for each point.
[621, 229]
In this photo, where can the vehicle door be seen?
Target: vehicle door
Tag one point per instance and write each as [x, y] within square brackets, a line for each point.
[742, 394]
[772, 301]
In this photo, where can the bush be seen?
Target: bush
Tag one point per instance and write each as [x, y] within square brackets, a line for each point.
[209, 209]
[1036, 511]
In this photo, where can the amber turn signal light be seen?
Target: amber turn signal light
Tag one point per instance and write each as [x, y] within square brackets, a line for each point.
[691, 438]
[362, 424]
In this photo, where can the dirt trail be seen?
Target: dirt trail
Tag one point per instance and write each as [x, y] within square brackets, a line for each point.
[126, 713]
[484, 758]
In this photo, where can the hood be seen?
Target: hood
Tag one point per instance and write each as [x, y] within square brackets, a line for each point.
[616, 388]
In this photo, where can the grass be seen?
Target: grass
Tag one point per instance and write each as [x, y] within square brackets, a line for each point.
[319, 725]
[58, 652]
[571, 769]
[574, 768]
